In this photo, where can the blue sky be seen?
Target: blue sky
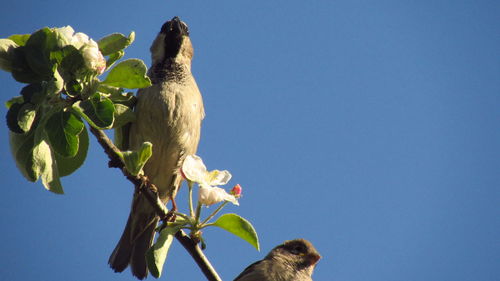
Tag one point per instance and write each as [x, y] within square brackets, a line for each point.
[368, 127]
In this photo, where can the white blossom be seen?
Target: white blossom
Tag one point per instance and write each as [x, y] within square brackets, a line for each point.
[94, 60]
[195, 170]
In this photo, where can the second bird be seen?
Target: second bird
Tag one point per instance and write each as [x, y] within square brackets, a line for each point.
[169, 115]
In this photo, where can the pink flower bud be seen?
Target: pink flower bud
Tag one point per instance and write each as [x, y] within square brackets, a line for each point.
[236, 191]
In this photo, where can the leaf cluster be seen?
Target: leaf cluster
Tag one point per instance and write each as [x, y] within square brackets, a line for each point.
[48, 135]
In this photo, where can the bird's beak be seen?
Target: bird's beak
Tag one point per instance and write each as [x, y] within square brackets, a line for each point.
[179, 27]
[313, 258]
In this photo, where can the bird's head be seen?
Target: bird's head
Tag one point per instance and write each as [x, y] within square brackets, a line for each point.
[299, 252]
[172, 43]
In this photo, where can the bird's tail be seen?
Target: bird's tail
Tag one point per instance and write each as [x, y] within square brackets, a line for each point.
[136, 239]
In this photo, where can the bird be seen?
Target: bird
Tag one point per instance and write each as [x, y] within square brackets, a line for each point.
[168, 115]
[294, 260]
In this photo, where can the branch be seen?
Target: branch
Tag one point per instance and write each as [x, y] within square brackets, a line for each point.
[150, 192]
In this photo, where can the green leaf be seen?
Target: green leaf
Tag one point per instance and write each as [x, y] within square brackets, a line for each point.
[62, 130]
[21, 147]
[34, 93]
[26, 116]
[20, 117]
[113, 58]
[71, 62]
[157, 254]
[20, 39]
[12, 121]
[67, 166]
[97, 110]
[123, 115]
[135, 160]
[38, 49]
[117, 94]
[44, 162]
[21, 71]
[239, 227]
[34, 156]
[115, 42]
[55, 84]
[129, 74]
[16, 99]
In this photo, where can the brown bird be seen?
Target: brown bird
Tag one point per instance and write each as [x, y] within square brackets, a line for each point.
[293, 260]
[169, 115]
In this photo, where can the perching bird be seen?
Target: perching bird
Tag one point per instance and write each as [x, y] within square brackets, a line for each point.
[169, 115]
[293, 260]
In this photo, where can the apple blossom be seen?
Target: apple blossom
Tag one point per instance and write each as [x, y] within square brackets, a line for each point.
[94, 60]
[194, 170]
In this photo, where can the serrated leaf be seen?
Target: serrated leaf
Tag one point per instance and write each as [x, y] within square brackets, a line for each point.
[97, 110]
[239, 227]
[62, 130]
[157, 254]
[26, 116]
[67, 166]
[135, 160]
[123, 115]
[20, 39]
[130, 74]
[114, 43]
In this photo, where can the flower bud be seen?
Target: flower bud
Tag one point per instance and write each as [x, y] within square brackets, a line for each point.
[236, 191]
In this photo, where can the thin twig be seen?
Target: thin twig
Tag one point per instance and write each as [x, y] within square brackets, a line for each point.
[150, 192]
[198, 256]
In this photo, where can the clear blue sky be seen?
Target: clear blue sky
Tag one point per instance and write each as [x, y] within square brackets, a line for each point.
[370, 128]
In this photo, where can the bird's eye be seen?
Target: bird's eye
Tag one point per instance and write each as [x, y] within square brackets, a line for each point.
[297, 250]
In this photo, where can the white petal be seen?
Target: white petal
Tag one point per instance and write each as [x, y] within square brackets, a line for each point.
[64, 35]
[206, 195]
[211, 195]
[79, 39]
[231, 198]
[93, 43]
[66, 31]
[194, 169]
[217, 177]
